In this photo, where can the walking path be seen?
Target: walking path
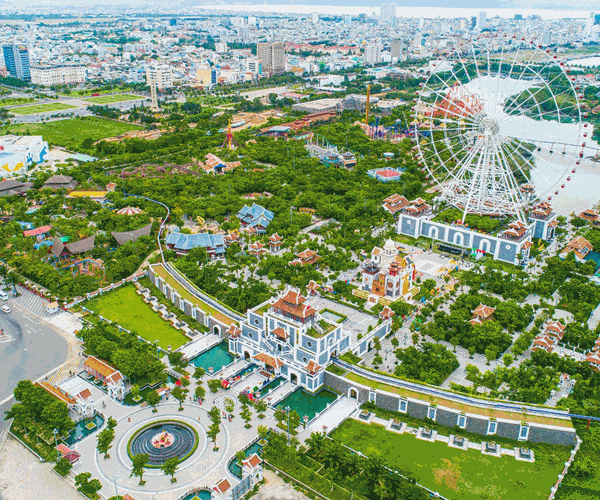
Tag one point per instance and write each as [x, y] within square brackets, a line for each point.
[204, 468]
[334, 415]
[198, 346]
[280, 393]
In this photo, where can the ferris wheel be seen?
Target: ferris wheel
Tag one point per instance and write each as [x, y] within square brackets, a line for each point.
[498, 127]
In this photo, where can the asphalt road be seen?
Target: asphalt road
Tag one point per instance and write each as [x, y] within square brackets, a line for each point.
[34, 349]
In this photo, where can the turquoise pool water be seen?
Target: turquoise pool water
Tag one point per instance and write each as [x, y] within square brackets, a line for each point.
[200, 495]
[271, 385]
[234, 468]
[307, 403]
[216, 357]
[80, 431]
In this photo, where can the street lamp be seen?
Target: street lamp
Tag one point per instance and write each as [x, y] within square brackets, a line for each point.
[55, 432]
[288, 409]
[117, 475]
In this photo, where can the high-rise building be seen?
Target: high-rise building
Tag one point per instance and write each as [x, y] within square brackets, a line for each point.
[481, 21]
[161, 76]
[272, 57]
[221, 47]
[16, 60]
[372, 54]
[397, 49]
[315, 17]
[388, 14]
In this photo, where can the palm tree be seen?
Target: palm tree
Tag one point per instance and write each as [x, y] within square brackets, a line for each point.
[316, 442]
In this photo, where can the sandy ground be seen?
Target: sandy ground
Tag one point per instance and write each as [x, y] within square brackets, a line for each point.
[276, 488]
[23, 477]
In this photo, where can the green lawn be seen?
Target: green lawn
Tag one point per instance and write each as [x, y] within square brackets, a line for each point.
[108, 99]
[41, 108]
[72, 132]
[578, 486]
[127, 308]
[12, 101]
[468, 475]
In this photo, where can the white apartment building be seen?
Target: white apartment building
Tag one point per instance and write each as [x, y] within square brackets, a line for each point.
[372, 54]
[161, 75]
[388, 14]
[57, 75]
[221, 47]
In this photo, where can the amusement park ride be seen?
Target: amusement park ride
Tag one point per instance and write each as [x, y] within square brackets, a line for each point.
[230, 142]
[498, 133]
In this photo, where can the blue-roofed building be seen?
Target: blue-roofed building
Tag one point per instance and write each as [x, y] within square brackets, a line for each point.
[256, 217]
[183, 243]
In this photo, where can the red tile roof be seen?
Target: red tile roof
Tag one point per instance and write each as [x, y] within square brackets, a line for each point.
[280, 333]
[312, 367]
[252, 461]
[268, 360]
[39, 230]
[222, 486]
[99, 366]
[483, 311]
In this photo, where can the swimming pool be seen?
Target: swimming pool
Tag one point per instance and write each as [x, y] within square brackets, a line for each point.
[216, 358]
[84, 428]
[307, 403]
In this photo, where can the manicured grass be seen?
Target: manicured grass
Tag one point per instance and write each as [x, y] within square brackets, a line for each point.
[41, 108]
[127, 308]
[12, 101]
[464, 474]
[72, 132]
[577, 486]
[108, 99]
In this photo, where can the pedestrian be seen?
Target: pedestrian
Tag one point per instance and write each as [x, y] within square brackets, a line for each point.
[129, 420]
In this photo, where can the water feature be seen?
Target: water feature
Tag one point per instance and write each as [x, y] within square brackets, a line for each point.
[199, 495]
[163, 441]
[234, 468]
[307, 403]
[270, 385]
[216, 358]
[84, 428]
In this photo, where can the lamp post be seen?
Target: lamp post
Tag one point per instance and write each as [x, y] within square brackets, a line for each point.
[55, 432]
[117, 475]
[288, 409]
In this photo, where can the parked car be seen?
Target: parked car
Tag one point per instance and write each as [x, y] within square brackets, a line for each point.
[5, 309]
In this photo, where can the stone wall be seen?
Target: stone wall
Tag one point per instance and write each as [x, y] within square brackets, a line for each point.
[448, 417]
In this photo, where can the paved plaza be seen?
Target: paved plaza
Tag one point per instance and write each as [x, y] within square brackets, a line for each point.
[202, 469]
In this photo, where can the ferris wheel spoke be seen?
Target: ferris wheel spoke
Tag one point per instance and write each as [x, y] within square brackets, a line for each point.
[484, 117]
[530, 165]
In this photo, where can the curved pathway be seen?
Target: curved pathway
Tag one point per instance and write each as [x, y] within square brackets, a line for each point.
[202, 469]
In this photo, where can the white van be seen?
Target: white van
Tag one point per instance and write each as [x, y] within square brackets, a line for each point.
[3, 295]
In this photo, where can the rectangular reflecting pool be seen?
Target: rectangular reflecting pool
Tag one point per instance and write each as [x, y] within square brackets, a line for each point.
[216, 358]
[84, 428]
[307, 403]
